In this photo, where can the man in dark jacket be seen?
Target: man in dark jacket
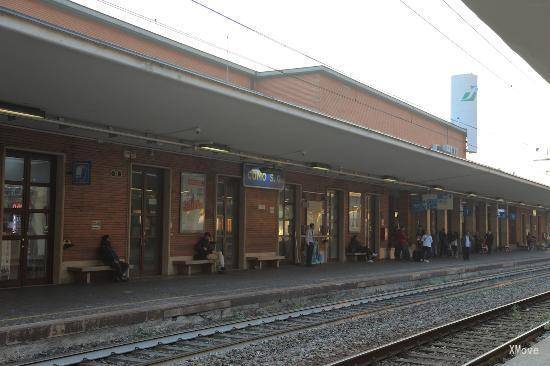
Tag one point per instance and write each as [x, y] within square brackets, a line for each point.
[205, 249]
[443, 243]
[489, 241]
[110, 257]
[355, 246]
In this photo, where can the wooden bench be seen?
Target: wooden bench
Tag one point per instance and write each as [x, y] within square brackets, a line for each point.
[207, 265]
[355, 256]
[260, 258]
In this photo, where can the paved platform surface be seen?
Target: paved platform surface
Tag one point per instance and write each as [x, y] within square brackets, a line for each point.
[541, 358]
[47, 311]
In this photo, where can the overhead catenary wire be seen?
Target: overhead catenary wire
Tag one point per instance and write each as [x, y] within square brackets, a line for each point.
[281, 71]
[457, 13]
[455, 43]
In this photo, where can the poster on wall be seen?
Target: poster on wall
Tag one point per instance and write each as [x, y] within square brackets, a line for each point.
[355, 212]
[192, 209]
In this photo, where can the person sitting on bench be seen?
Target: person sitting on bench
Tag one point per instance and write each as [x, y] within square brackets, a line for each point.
[355, 246]
[204, 249]
[110, 257]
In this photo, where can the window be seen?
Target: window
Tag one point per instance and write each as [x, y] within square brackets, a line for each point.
[192, 206]
[355, 208]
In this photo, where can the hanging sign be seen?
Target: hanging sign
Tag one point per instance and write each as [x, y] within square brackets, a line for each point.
[262, 177]
[438, 201]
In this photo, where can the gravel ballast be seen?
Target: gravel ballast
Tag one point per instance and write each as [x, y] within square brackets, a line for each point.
[326, 343]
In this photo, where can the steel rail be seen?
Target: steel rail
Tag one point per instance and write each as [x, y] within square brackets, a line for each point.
[122, 349]
[404, 345]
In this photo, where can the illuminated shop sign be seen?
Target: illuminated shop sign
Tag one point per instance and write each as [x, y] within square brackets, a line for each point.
[262, 177]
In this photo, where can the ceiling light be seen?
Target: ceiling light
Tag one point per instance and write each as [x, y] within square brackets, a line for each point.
[437, 188]
[500, 199]
[389, 179]
[320, 166]
[471, 194]
[21, 111]
[218, 148]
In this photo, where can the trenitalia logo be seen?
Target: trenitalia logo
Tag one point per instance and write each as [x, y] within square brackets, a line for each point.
[470, 96]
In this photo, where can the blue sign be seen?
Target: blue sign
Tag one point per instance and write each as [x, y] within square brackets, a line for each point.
[417, 206]
[82, 172]
[501, 213]
[263, 177]
[466, 211]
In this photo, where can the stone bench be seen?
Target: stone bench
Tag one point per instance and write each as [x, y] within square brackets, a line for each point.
[355, 256]
[85, 272]
[207, 265]
[261, 258]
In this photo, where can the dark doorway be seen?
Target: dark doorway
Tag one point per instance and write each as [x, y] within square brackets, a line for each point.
[146, 220]
[227, 219]
[26, 252]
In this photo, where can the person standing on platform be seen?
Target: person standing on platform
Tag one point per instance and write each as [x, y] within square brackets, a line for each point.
[443, 243]
[466, 246]
[489, 241]
[427, 241]
[310, 243]
[403, 242]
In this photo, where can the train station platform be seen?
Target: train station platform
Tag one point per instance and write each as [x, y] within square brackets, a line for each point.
[41, 312]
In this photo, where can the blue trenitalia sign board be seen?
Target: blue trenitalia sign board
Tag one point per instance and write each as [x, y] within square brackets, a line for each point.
[262, 177]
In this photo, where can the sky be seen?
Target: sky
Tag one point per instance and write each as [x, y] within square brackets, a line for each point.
[382, 43]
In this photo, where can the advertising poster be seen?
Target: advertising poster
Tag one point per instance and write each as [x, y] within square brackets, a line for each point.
[192, 210]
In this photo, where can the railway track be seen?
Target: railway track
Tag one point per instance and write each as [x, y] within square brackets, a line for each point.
[169, 348]
[482, 339]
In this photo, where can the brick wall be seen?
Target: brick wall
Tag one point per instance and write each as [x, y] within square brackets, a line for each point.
[328, 95]
[261, 220]
[106, 199]
[117, 36]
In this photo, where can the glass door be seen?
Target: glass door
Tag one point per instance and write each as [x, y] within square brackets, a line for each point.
[287, 223]
[371, 221]
[146, 220]
[227, 220]
[28, 217]
[333, 203]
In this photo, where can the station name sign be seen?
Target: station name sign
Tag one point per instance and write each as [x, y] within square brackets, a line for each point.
[258, 176]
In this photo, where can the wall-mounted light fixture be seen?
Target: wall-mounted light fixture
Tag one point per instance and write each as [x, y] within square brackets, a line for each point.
[14, 110]
[320, 166]
[389, 179]
[217, 148]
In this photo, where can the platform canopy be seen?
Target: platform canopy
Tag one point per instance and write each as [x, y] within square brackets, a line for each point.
[98, 86]
[523, 24]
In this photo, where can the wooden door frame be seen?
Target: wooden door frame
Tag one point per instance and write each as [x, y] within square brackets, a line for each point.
[165, 212]
[241, 207]
[59, 207]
